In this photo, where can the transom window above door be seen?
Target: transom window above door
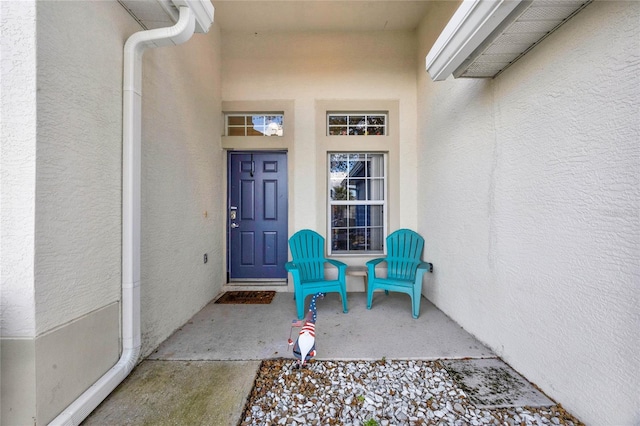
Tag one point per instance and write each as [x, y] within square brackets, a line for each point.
[357, 188]
[356, 124]
[256, 124]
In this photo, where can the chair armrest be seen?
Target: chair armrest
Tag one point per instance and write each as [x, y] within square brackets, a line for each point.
[290, 266]
[336, 263]
[342, 267]
[371, 266]
[426, 266]
[374, 262]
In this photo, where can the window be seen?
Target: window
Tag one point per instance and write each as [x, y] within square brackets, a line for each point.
[360, 124]
[356, 202]
[254, 124]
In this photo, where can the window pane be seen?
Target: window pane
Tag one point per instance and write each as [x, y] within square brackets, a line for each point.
[273, 126]
[339, 164]
[338, 189]
[358, 189]
[253, 132]
[339, 240]
[255, 125]
[357, 167]
[375, 120]
[375, 239]
[235, 131]
[339, 216]
[375, 217]
[335, 120]
[357, 228]
[356, 124]
[257, 120]
[376, 131]
[376, 189]
[357, 178]
[376, 165]
[356, 120]
[357, 239]
[236, 120]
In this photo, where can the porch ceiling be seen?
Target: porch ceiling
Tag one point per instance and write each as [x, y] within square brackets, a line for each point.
[319, 15]
[259, 16]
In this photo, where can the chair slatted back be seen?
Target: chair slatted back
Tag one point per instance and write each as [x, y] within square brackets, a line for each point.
[307, 251]
[404, 253]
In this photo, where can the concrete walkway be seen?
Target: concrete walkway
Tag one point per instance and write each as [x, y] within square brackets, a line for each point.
[203, 373]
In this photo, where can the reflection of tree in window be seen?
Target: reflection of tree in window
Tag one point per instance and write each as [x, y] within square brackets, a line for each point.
[357, 197]
[373, 124]
[255, 124]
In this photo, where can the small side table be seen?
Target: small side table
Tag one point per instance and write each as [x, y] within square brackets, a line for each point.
[359, 271]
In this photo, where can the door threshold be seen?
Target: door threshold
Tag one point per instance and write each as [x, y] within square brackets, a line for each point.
[278, 286]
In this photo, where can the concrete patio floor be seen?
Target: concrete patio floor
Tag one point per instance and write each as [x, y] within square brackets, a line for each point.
[203, 373]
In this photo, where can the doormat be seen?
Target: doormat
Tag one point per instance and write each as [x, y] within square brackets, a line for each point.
[247, 297]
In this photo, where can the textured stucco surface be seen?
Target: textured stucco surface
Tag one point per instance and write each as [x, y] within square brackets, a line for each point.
[17, 168]
[17, 207]
[63, 220]
[182, 185]
[530, 205]
[79, 156]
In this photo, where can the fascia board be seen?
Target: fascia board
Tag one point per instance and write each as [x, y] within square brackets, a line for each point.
[203, 11]
[469, 26]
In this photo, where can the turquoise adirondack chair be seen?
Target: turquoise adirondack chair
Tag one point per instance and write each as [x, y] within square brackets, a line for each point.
[405, 268]
[307, 269]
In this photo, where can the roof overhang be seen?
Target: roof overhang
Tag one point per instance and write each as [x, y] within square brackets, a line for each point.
[152, 14]
[484, 37]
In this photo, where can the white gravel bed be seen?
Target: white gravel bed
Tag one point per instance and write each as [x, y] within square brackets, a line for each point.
[373, 393]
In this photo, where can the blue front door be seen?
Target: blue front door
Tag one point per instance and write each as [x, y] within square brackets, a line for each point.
[257, 215]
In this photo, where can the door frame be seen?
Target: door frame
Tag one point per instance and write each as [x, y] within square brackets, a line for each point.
[251, 281]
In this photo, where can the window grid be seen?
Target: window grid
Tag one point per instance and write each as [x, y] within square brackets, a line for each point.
[356, 203]
[259, 124]
[357, 124]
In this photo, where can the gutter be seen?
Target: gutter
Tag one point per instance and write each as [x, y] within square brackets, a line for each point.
[134, 48]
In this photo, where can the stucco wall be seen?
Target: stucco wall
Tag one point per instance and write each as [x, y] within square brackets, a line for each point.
[529, 202]
[17, 167]
[71, 178]
[17, 207]
[182, 185]
[77, 257]
[79, 156]
[310, 67]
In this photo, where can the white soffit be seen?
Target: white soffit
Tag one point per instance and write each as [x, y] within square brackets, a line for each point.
[484, 37]
[152, 14]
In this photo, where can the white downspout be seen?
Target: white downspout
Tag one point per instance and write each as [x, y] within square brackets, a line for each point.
[135, 46]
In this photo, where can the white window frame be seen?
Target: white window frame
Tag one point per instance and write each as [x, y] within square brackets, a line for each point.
[382, 203]
[276, 131]
[350, 126]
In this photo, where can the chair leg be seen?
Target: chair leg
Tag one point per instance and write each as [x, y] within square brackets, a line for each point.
[369, 296]
[415, 302]
[345, 309]
[300, 306]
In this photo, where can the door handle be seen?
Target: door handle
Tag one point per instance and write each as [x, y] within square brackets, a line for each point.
[234, 225]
